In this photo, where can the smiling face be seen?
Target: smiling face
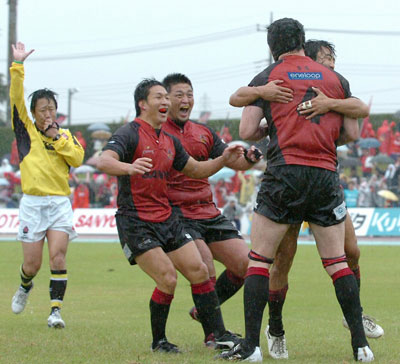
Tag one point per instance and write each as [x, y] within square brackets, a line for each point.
[154, 109]
[181, 96]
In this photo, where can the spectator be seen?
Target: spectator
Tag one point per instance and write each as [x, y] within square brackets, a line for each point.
[392, 176]
[354, 175]
[351, 194]
[343, 181]
[233, 212]
[226, 135]
[5, 167]
[81, 139]
[366, 165]
[365, 198]
[81, 196]
[395, 145]
[384, 137]
[247, 188]
[14, 159]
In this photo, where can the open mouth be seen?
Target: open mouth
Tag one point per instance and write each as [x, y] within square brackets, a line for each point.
[184, 109]
[163, 110]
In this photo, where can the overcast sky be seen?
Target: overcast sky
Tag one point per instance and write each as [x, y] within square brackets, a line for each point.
[214, 42]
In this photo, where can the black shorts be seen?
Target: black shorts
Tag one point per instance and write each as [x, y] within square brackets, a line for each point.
[137, 236]
[211, 230]
[292, 194]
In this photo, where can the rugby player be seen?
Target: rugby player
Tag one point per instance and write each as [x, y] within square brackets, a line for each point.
[142, 155]
[300, 183]
[322, 52]
[193, 200]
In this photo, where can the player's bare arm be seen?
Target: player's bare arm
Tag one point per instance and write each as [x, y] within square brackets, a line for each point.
[250, 157]
[109, 163]
[271, 91]
[350, 131]
[19, 52]
[195, 169]
[249, 127]
[321, 104]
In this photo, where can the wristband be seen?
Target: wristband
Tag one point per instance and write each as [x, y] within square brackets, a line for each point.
[247, 158]
[58, 136]
[19, 62]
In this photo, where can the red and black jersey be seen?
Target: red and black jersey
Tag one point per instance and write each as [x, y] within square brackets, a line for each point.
[145, 196]
[194, 196]
[293, 139]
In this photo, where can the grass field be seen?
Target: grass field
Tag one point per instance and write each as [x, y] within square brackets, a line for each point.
[107, 317]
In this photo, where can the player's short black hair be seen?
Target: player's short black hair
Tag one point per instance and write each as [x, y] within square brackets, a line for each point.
[313, 46]
[174, 79]
[285, 35]
[142, 91]
[43, 93]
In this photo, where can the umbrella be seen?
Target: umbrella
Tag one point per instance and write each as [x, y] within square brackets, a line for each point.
[349, 162]
[4, 182]
[98, 126]
[388, 195]
[224, 173]
[84, 168]
[343, 149]
[239, 142]
[382, 158]
[101, 134]
[369, 143]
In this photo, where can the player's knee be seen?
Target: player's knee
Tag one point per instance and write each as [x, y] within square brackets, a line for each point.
[210, 267]
[31, 267]
[168, 281]
[57, 261]
[198, 273]
[353, 255]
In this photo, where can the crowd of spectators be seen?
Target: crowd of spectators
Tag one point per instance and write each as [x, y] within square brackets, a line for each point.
[369, 172]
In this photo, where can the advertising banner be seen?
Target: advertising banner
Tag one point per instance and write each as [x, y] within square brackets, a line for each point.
[366, 221]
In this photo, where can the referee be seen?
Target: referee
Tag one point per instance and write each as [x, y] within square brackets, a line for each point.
[46, 153]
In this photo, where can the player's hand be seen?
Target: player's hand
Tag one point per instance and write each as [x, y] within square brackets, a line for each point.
[254, 154]
[232, 153]
[317, 106]
[273, 92]
[140, 166]
[19, 52]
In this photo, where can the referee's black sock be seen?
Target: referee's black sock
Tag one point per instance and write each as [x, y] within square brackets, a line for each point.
[26, 281]
[206, 302]
[159, 309]
[347, 294]
[57, 287]
[227, 285]
[255, 299]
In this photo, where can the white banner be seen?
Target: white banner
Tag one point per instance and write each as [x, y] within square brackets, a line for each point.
[95, 221]
[86, 221]
[366, 221]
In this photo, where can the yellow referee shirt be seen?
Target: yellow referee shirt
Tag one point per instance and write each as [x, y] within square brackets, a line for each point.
[44, 163]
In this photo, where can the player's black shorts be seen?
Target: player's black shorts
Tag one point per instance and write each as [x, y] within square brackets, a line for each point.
[137, 236]
[210, 230]
[292, 194]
